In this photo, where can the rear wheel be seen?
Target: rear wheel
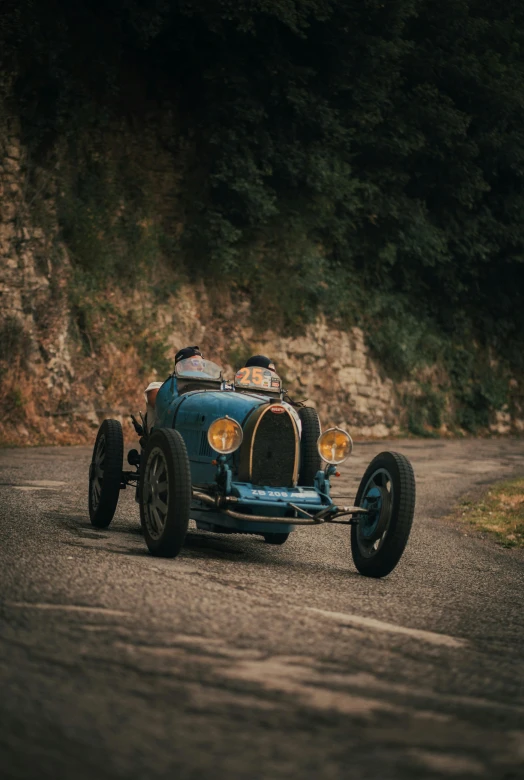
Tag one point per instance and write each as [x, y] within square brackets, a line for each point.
[309, 457]
[276, 538]
[105, 473]
[165, 495]
[387, 491]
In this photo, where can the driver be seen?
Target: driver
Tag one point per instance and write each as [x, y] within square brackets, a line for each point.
[152, 389]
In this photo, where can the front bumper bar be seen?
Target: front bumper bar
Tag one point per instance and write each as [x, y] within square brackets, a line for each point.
[326, 515]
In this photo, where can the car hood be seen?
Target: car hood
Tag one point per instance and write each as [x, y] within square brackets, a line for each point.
[201, 408]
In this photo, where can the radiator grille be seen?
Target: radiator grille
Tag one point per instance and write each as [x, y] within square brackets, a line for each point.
[205, 449]
[273, 459]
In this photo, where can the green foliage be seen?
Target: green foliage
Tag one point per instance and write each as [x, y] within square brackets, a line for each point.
[164, 288]
[99, 319]
[238, 354]
[15, 343]
[286, 278]
[362, 159]
[499, 512]
[405, 344]
[152, 351]
[107, 233]
[425, 411]
[403, 341]
[479, 384]
[14, 400]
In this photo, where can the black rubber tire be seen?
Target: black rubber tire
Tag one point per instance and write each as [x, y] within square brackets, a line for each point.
[168, 448]
[310, 461]
[402, 509]
[276, 538]
[109, 452]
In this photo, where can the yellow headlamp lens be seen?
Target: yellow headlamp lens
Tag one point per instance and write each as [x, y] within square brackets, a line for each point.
[335, 445]
[224, 435]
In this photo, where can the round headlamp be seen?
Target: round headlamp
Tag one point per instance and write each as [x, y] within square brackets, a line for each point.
[334, 446]
[224, 435]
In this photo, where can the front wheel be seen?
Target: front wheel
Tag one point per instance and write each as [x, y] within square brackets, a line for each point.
[105, 473]
[387, 491]
[309, 458]
[165, 494]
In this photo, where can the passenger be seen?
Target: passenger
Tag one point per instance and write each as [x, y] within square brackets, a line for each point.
[262, 361]
[151, 393]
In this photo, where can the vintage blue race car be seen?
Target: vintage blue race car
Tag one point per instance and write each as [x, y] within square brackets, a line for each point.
[242, 458]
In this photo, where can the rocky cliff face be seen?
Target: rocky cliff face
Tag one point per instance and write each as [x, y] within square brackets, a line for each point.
[70, 357]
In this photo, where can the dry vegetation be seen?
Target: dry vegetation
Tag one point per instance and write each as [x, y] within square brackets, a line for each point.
[500, 513]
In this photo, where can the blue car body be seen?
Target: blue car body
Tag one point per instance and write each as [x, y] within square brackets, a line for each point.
[239, 458]
[227, 477]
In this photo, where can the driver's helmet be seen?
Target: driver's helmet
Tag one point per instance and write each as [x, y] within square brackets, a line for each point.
[187, 352]
[262, 361]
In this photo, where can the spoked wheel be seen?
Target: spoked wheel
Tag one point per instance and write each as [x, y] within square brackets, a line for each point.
[105, 473]
[276, 538]
[387, 491]
[165, 495]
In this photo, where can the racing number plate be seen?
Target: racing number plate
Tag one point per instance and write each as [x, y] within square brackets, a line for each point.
[257, 378]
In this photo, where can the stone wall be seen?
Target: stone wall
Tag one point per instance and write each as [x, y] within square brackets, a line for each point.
[35, 356]
[332, 369]
[56, 387]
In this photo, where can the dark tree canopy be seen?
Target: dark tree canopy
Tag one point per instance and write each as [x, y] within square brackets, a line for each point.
[388, 136]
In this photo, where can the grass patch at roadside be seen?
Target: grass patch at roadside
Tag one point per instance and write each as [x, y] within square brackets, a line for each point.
[499, 513]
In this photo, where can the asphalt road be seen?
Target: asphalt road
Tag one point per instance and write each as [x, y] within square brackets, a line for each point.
[243, 660]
